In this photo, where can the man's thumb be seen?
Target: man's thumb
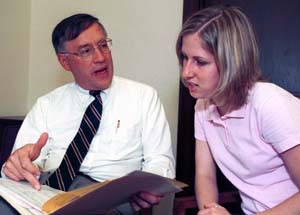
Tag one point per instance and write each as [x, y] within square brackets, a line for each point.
[37, 147]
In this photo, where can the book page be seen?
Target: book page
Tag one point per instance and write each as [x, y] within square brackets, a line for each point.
[94, 199]
[22, 194]
[22, 209]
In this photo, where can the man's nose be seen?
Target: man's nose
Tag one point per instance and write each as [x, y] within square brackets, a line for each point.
[98, 55]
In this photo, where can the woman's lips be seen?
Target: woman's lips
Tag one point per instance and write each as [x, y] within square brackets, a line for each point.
[191, 86]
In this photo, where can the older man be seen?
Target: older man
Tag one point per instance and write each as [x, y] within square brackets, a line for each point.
[109, 125]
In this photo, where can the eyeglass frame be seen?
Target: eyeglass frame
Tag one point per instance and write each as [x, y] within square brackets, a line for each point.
[107, 41]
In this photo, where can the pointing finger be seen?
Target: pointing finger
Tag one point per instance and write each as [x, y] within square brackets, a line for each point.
[36, 150]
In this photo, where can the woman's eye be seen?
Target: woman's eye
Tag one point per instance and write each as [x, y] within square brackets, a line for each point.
[184, 61]
[201, 62]
[183, 57]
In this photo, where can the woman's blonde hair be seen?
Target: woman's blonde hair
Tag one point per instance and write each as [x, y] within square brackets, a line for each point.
[227, 34]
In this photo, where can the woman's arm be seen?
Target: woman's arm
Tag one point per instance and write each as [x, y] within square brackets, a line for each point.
[205, 176]
[291, 159]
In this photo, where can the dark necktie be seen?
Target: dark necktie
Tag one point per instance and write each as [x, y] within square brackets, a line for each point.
[69, 167]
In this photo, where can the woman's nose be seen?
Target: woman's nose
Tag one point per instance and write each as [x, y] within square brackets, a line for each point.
[186, 69]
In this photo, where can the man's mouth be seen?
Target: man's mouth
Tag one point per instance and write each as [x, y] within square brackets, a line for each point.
[103, 70]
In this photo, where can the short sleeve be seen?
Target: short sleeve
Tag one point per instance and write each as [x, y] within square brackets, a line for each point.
[199, 121]
[279, 120]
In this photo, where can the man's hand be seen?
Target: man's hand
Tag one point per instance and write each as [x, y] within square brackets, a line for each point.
[144, 200]
[19, 165]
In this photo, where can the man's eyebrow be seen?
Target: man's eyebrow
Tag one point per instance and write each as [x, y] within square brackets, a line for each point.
[84, 45]
[90, 45]
[102, 40]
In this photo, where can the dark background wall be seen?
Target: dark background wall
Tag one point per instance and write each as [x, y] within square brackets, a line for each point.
[277, 25]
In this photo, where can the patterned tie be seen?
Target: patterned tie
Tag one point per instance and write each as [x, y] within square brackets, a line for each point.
[69, 167]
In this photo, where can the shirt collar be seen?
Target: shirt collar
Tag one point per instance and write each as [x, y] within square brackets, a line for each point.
[84, 95]
[213, 113]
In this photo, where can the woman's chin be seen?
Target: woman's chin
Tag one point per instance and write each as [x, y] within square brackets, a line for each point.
[195, 95]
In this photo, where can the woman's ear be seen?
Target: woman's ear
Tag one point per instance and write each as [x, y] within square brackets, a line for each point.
[62, 58]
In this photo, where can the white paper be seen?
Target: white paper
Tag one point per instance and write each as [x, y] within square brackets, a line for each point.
[23, 195]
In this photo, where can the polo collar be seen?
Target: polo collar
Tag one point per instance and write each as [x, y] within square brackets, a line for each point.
[214, 115]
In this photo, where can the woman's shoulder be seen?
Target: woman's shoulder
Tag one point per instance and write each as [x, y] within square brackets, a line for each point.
[264, 93]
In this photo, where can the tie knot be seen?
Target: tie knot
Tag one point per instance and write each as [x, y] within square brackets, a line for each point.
[95, 92]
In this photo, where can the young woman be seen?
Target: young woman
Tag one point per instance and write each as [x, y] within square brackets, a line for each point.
[250, 129]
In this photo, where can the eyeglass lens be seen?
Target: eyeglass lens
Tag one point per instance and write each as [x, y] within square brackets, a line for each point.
[89, 51]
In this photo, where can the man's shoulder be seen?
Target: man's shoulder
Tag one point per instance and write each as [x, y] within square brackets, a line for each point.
[131, 84]
[59, 91]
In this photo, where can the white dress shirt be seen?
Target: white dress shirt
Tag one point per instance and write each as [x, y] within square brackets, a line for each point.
[133, 133]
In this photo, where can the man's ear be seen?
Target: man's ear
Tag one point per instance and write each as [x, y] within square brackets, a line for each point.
[63, 61]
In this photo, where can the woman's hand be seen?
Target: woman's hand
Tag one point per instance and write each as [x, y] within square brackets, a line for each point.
[213, 209]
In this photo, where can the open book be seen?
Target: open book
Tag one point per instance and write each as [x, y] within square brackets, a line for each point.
[97, 198]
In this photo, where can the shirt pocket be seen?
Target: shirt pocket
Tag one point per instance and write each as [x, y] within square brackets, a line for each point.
[126, 135]
[119, 137]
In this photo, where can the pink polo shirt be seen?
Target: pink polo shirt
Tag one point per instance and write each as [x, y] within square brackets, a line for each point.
[246, 142]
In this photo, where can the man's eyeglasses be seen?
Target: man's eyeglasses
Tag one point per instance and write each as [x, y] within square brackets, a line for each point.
[86, 53]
